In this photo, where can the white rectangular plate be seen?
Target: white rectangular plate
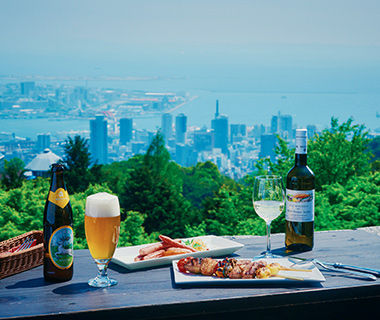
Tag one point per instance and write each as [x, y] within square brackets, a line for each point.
[193, 279]
[217, 247]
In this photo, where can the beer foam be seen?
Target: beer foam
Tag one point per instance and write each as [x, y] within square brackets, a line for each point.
[102, 205]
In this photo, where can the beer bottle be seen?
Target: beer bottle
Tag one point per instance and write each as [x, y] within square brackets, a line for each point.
[58, 230]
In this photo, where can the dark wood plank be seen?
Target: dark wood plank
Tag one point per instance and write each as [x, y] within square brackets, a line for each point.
[149, 294]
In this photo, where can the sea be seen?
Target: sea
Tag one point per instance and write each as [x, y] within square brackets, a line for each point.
[310, 97]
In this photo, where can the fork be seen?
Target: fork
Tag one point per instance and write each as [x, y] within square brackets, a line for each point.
[25, 245]
[332, 268]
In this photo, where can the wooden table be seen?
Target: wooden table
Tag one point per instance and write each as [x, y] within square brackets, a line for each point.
[152, 293]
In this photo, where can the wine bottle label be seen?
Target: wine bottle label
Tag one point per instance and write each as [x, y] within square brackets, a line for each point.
[299, 205]
[60, 197]
[61, 247]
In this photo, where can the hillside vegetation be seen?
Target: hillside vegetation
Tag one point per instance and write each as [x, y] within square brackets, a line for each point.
[159, 196]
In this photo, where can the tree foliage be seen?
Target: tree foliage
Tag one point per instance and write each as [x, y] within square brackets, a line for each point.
[77, 160]
[154, 189]
[13, 174]
[339, 153]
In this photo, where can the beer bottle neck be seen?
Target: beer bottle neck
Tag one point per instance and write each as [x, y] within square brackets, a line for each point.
[57, 180]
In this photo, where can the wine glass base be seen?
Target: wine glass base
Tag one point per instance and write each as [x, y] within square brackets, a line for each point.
[102, 282]
[267, 255]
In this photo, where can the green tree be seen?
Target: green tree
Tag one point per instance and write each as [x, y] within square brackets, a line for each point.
[13, 174]
[230, 212]
[77, 159]
[351, 205]
[132, 231]
[22, 209]
[339, 153]
[284, 160]
[201, 182]
[374, 149]
[116, 174]
[154, 189]
[334, 156]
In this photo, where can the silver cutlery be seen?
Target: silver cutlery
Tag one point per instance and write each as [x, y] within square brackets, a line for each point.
[366, 273]
[338, 265]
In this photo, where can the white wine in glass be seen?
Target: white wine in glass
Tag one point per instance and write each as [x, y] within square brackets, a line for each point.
[268, 202]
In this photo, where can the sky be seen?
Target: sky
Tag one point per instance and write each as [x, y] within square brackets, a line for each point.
[50, 36]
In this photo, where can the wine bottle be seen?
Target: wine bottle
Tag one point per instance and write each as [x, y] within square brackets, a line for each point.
[300, 199]
[58, 230]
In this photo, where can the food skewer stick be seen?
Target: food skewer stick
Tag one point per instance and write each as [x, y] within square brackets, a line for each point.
[287, 277]
[272, 271]
[276, 265]
[291, 269]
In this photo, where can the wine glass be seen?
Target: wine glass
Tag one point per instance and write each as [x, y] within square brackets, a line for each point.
[268, 202]
[102, 226]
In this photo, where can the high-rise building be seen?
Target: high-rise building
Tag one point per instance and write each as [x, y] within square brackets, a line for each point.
[237, 129]
[286, 126]
[268, 146]
[43, 141]
[185, 155]
[98, 140]
[126, 126]
[138, 147]
[217, 109]
[274, 124]
[80, 93]
[311, 130]
[282, 124]
[26, 87]
[203, 140]
[220, 126]
[166, 126]
[180, 128]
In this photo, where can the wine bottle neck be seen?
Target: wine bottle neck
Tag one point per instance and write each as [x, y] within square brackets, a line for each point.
[301, 159]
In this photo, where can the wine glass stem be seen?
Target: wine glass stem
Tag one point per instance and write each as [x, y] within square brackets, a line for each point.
[268, 238]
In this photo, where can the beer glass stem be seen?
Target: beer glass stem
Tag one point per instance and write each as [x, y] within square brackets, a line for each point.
[102, 270]
[102, 279]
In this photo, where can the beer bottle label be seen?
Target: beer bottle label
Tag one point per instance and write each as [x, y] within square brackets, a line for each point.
[60, 197]
[61, 245]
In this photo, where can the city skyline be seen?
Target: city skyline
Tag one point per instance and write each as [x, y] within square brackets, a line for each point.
[112, 136]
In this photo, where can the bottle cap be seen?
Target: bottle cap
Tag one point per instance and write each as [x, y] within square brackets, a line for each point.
[57, 167]
[301, 133]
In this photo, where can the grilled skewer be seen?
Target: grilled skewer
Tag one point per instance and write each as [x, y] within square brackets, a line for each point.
[237, 269]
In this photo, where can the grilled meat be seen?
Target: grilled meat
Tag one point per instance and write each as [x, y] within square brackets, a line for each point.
[208, 266]
[193, 265]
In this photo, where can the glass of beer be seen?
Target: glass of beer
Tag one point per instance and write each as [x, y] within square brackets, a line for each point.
[102, 226]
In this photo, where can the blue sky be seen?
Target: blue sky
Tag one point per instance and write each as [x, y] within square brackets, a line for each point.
[62, 35]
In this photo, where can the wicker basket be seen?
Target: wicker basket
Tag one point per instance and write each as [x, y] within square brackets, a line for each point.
[12, 263]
